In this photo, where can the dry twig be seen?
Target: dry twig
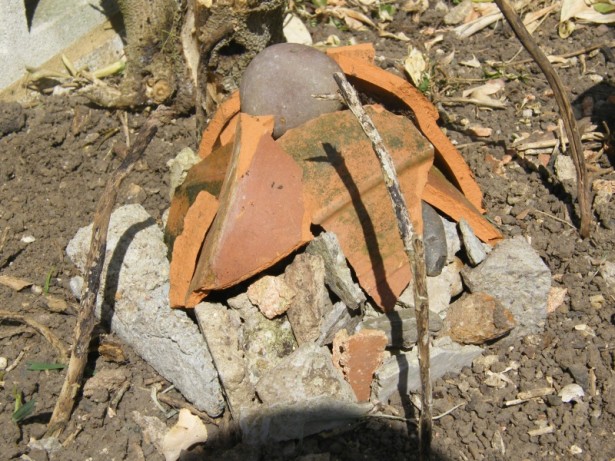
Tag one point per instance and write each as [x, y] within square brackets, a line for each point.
[42, 329]
[570, 123]
[413, 245]
[94, 265]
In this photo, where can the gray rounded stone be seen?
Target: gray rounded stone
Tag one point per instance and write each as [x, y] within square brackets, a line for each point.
[281, 80]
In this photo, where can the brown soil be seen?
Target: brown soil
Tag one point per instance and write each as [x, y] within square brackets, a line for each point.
[54, 169]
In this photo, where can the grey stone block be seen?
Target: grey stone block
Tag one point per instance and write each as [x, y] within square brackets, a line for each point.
[401, 372]
[133, 303]
[514, 274]
[337, 273]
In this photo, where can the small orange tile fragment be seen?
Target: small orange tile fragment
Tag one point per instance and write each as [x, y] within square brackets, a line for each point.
[358, 356]
[262, 217]
[362, 51]
[211, 136]
[379, 83]
[442, 195]
[196, 223]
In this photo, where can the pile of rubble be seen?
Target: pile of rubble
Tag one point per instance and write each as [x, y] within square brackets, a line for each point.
[291, 227]
[303, 351]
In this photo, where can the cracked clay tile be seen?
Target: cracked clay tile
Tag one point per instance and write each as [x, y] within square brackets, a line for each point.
[196, 223]
[262, 217]
[207, 175]
[343, 180]
[221, 127]
[441, 194]
[358, 357]
[378, 82]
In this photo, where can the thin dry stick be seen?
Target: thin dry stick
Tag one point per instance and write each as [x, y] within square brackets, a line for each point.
[587, 49]
[414, 248]
[94, 265]
[42, 329]
[570, 123]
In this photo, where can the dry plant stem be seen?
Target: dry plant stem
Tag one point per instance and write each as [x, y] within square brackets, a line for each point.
[570, 123]
[42, 329]
[414, 248]
[94, 265]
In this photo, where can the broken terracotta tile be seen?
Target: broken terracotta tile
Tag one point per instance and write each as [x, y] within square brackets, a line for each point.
[362, 51]
[196, 223]
[219, 122]
[477, 318]
[358, 356]
[378, 82]
[343, 180]
[262, 216]
[231, 253]
[441, 194]
[207, 175]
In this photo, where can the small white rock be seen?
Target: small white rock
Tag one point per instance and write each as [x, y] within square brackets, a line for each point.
[295, 31]
[3, 363]
[76, 286]
[571, 392]
[28, 239]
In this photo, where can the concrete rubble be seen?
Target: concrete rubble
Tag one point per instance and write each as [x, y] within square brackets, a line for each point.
[514, 274]
[133, 302]
[302, 351]
[400, 372]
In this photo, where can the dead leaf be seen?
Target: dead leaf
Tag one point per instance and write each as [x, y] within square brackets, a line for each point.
[556, 298]
[14, 283]
[480, 131]
[55, 304]
[475, 63]
[188, 431]
[483, 93]
[415, 65]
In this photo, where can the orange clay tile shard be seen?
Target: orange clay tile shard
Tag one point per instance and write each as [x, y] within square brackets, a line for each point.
[324, 173]
[262, 216]
[379, 83]
[343, 180]
[196, 223]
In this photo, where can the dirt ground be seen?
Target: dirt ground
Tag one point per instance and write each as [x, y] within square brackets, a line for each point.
[53, 171]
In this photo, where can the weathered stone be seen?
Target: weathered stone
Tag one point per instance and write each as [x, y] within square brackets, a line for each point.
[133, 301]
[358, 356]
[475, 250]
[339, 317]
[179, 166]
[607, 271]
[440, 289]
[281, 81]
[399, 326]
[514, 274]
[434, 239]
[453, 242]
[265, 342]
[337, 274]
[477, 318]
[306, 276]
[271, 295]
[400, 373]
[221, 328]
[277, 423]
[305, 374]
